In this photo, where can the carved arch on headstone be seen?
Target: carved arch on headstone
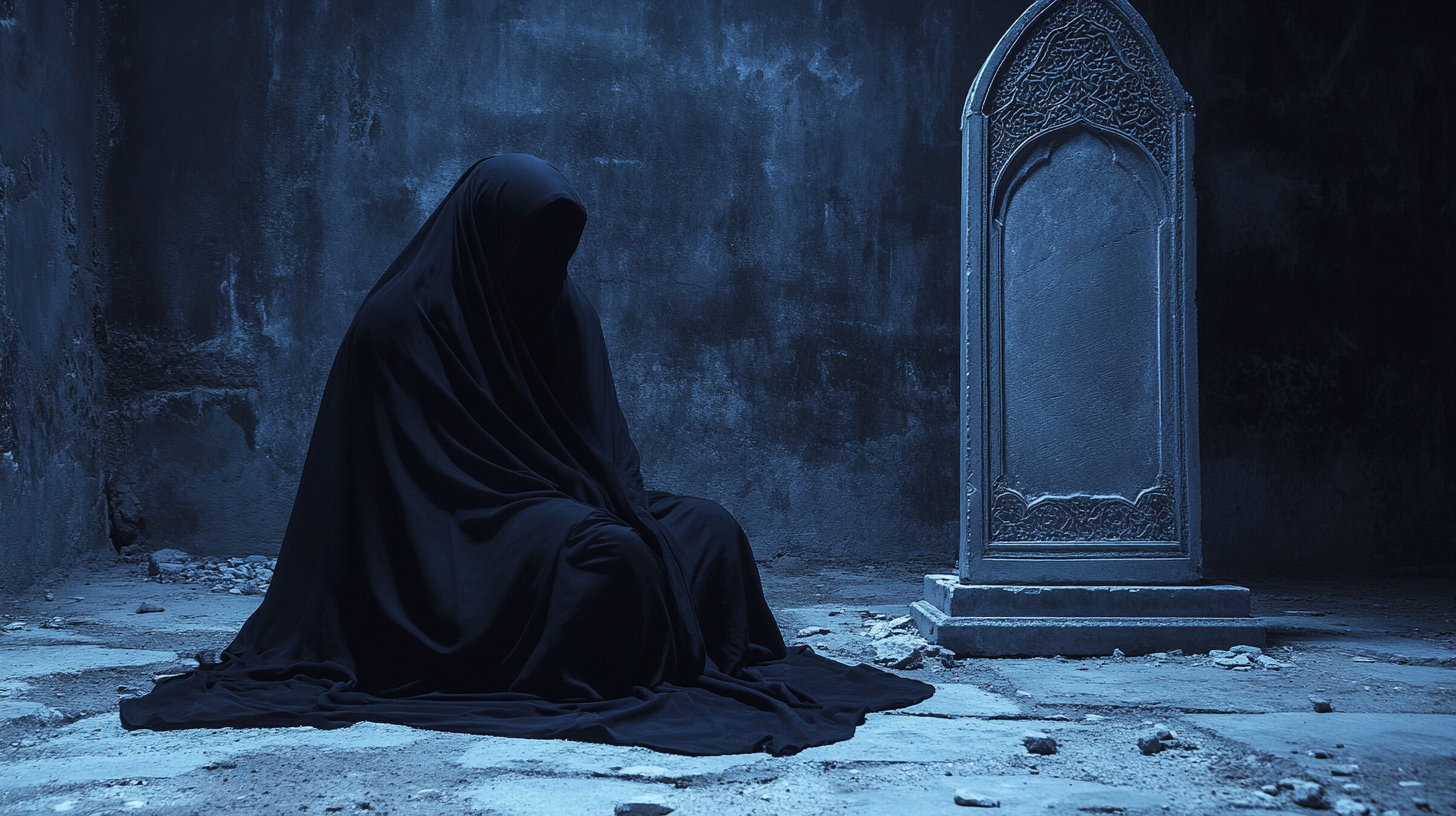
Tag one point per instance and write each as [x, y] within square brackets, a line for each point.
[1079, 99]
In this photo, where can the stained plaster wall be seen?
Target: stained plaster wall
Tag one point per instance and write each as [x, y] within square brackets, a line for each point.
[52, 401]
[1326, 180]
[773, 197]
[773, 189]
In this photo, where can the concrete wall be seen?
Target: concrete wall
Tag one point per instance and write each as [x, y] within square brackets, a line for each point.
[774, 191]
[51, 396]
[773, 199]
[1327, 194]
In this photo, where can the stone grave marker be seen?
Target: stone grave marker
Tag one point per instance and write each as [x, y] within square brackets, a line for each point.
[1079, 415]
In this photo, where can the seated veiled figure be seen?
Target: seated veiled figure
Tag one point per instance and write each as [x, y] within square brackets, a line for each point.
[472, 547]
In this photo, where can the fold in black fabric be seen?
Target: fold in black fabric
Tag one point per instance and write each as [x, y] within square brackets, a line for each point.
[472, 548]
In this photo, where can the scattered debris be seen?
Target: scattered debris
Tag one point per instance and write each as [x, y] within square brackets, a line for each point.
[1271, 790]
[1251, 651]
[1344, 770]
[1320, 754]
[965, 798]
[223, 765]
[1237, 661]
[811, 631]
[1321, 705]
[1150, 745]
[879, 630]
[1162, 738]
[237, 576]
[148, 606]
[1037, 742]
[13, 626]
[1118, 654]
[49, 597]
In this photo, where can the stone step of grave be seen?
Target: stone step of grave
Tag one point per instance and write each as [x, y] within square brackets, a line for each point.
[958, 600]
[1081, 636]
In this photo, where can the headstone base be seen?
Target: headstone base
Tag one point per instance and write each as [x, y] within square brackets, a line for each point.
[1042, 621]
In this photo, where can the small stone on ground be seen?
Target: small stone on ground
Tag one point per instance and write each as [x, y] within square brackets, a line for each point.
[966, 798]
[641, 809]
[1349, 807]
[1038, 743]
[1309, 795]
[1321, 705]
[148, 606]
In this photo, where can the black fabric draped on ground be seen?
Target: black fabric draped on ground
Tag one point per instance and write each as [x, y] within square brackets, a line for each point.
[472, 548]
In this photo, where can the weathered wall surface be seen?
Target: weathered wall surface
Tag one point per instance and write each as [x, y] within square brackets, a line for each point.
[774, 197]
[1327, 280]
[51, 396]
[773, 194]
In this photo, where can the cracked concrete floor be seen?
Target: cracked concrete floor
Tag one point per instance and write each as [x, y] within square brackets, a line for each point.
[1383, 654]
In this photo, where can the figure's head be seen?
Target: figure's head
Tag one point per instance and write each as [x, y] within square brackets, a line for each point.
[530, 220]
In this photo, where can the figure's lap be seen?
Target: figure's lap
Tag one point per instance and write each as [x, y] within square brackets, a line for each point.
[738, 627]
[606, 626]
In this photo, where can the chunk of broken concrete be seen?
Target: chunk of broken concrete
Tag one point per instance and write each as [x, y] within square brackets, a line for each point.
[1349, 807]
[811, 631]
[1321, 704]
[885, 629]
[1251, 651]
[1309, 795]
[1344, 770]
[148, 606]
[641, 809]
[1233, 662]
[1150, 745]
[900, 652]
[1037, 742]
[966, 798]
[160, 557]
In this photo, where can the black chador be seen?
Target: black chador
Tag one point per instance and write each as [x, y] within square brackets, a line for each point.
[472, 548]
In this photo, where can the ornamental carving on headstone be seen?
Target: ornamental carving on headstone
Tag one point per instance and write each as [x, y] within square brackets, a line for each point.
[1080, 62]
[1149, 517]
[1079, 417]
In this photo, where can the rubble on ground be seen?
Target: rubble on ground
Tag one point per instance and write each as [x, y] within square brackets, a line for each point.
[237, 576]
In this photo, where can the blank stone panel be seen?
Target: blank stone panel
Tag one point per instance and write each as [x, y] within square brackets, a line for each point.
[1080, 237]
